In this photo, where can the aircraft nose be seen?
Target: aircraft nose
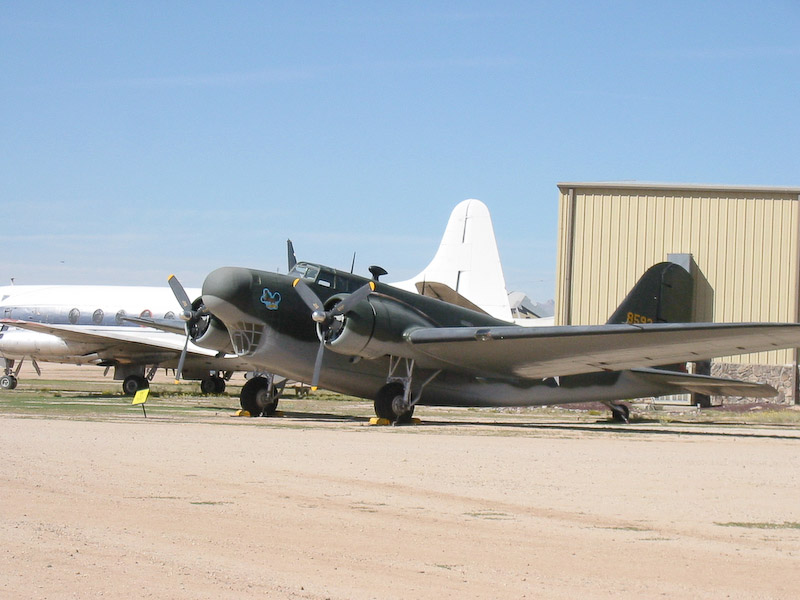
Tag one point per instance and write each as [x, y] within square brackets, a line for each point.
[228, 284]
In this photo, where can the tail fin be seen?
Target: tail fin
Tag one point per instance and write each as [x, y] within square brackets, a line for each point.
[468, 262]
[664, 294]
[292, 257]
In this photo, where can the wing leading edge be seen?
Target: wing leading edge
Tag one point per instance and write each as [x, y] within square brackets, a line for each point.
[132, 343]
[538, 352]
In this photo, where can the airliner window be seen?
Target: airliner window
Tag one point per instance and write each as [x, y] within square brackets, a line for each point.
[119, 316]
[169, 315]
[74, 315]
[97, 316]
[146, 314]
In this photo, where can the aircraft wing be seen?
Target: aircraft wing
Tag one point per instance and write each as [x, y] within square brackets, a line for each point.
[170, 325]
[538, 352]
[122, 343]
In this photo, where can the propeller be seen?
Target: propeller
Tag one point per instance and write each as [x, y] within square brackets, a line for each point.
[330, 321]
[193, 315]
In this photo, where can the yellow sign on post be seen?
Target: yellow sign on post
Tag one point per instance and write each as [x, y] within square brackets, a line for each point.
[141, 398]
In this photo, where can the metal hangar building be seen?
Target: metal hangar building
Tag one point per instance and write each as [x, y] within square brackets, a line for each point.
[741, 244]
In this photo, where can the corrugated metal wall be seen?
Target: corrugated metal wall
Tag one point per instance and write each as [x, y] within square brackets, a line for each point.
[744, 241]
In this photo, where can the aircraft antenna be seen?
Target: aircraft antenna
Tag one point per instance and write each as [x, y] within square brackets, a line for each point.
[353, 264]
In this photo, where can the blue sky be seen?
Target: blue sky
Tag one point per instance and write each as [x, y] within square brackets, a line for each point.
[149, 138]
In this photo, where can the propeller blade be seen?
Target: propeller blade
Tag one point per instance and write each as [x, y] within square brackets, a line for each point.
[318, 365]
[182, 359]
[307, 294]
[347, 304]
[180, 295]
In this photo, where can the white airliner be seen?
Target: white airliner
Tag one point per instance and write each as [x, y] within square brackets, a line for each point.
[81, 324]
[85, 324]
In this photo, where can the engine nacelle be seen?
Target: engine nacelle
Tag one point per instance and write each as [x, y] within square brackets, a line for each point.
[374, 328]
[211, 333]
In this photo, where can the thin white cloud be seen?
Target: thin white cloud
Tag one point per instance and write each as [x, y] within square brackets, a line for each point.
[738, 53]
[83, 238]
[262, 76]
[288, 74]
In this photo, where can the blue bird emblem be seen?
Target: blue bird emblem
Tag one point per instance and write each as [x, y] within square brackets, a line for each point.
[271, 300]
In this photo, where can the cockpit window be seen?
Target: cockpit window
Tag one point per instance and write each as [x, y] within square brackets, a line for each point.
[305, 271]
[326, 279]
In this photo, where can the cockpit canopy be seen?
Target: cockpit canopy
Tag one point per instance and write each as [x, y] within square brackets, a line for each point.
[326, 277]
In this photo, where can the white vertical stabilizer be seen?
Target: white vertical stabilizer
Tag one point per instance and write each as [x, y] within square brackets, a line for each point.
[468, 262]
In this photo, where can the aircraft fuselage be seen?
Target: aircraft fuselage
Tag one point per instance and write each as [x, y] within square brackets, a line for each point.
[271, 326]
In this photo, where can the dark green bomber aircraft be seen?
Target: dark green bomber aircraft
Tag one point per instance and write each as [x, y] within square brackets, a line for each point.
[365, 338]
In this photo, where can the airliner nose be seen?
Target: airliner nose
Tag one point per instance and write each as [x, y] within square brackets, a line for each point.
[227, 284]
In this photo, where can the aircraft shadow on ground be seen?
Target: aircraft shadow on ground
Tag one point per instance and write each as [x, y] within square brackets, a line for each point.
[600, 427]
[319, 416]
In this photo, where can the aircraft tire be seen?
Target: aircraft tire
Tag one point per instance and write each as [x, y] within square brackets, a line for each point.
[134, 383]
[254, 398]
[386, 400]
[8, 382]
[209, 385]
[620, 413]
[219, 385]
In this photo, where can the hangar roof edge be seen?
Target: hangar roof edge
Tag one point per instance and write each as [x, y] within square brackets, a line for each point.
[643, 185]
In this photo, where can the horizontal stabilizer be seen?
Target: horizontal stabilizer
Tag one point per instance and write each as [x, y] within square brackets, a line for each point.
[704, 384]
[447, 294]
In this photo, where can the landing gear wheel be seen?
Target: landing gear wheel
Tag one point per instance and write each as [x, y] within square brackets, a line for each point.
[620, 413]
[207, 385]
[212, 385]
[256, 399]
[389, 404]
[134, 383]
[8, 382]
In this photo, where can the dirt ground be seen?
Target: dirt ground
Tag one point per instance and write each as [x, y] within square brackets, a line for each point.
[309, 507]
